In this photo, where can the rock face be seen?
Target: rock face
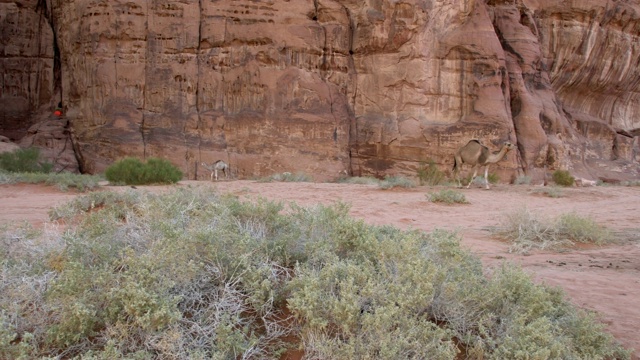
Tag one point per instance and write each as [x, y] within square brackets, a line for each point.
[366, 87]
[27, 66]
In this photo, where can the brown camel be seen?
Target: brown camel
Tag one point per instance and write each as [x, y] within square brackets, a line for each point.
[218, 165]
[476, 155]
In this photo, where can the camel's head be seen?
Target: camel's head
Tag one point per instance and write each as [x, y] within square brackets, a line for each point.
[509, 146]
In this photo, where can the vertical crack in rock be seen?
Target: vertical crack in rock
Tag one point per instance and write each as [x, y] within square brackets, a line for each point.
[315, 9]
[198, 128]
[144, 85]
[352, 130]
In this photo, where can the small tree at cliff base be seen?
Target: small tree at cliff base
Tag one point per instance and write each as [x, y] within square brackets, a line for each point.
[24, 161]
[132, 171]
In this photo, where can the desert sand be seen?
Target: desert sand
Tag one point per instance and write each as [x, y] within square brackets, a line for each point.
[605, 279]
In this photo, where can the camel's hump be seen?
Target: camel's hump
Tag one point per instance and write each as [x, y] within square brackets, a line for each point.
[475, 141]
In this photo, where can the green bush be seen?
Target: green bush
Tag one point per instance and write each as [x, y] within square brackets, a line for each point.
[448, 196]
[132, 171]
[563, 178]
[430, 174]
[24, 160]
[194, 274]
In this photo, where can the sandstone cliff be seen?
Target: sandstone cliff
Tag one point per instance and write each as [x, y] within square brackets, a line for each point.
[370, 87]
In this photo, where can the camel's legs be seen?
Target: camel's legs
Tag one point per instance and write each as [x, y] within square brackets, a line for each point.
[486, 177]
[475, 172]
[216, 173]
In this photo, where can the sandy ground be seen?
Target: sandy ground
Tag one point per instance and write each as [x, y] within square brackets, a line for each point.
[605, 279]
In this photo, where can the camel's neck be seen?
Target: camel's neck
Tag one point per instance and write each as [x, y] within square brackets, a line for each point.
[494, 158]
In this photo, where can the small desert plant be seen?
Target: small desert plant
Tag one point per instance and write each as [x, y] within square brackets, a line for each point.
[563, 178]
[396, 181]
[550, 191]
[630, 183]
[64, 180]
[24, 160]
[448, 196]
[430, 174]
[360, 180]
[287, 177]
[522, 180]
[132, 171]
[493, 178]
[583, 229]
[527, 230]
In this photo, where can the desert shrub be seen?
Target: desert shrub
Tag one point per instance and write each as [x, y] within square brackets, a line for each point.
[527, 230]
[360, 180]
[584, 229]
[63, 181]
[628, 183]
[492, 178]
[522, 180]
[287, 177]
[24, 160]
[429, 174]
[448, 196]
[390, 182]
[550, 191]
[132, 171]
[191, 273]
[563, 178]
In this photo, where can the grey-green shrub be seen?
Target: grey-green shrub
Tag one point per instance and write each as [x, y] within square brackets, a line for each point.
[287, 177]
[528, 230]
[24, 160]
[550, 191]
[522, 180]
[447, 196]
[64, 180]
[360, 180]
[195, 274]
[390, 182]
[132, 171]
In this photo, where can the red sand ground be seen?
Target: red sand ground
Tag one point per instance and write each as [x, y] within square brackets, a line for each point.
[605, 279]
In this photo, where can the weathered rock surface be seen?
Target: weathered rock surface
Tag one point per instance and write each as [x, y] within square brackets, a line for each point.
[26, 64]
[369, 87]
[53, 136]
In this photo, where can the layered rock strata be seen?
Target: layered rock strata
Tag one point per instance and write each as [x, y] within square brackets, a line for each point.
[327, 87]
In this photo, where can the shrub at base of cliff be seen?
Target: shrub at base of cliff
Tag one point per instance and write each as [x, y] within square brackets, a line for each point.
[132, 171]
[391, 182]
[563, 178]
[430, 174]
[192, 274]
[24, 161]
[63, 181]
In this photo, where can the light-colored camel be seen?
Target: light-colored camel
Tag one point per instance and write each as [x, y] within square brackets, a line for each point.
[218, 165]
[477, 155]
